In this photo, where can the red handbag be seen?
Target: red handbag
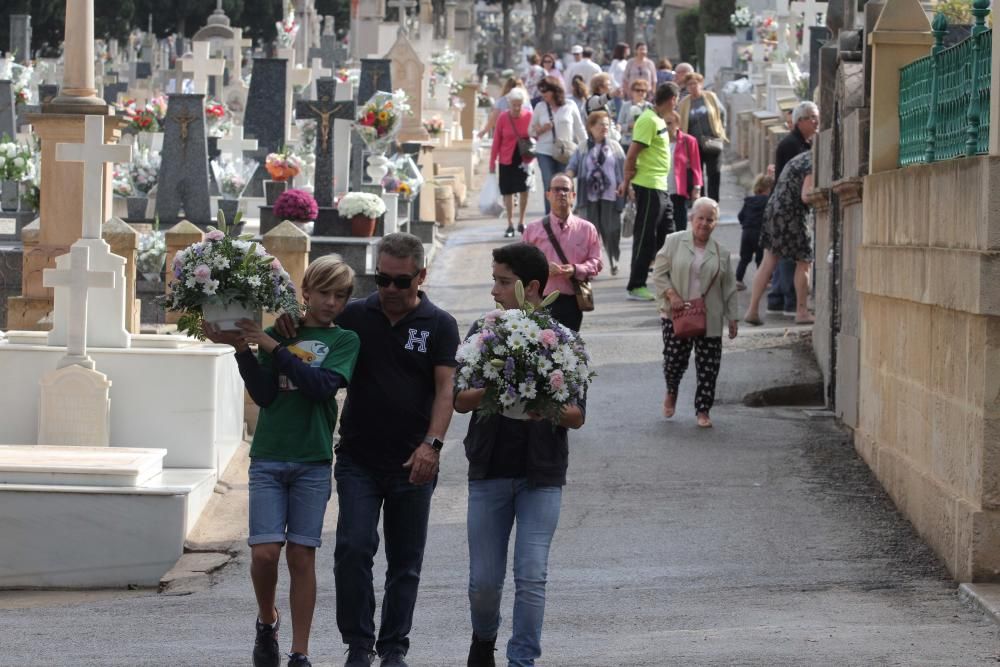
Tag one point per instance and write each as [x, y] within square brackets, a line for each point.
[691, 321]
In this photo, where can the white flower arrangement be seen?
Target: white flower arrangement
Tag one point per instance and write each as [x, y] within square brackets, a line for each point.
[741, 18]
[224, 270]
[152, 253]
[524, 359]
[144, 169]
[16, 161]
[233, 175]
[360, 203]
[442, 63]
[20, 78]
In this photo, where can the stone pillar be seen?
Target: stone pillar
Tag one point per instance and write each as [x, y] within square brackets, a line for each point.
[178, 237]
[902, 35]
[449, 17]
[124, 242]
[470, 95]
[78, 92]
[290, 245]
[427, 211]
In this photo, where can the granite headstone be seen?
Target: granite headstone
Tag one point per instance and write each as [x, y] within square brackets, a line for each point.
[183, 179]
[47, 92]
[112, 90]
[324, 111]
[7, 112]
[20, 38]
[264, 119]
[376, 75]
[143, 70]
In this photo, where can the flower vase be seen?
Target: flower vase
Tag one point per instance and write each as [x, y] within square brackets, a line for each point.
[517, 411]
[136, 207]
[10, 196]
[273, 190]
[225, 315]
[151, 140]
[362, 225]
[229, 208]
[378, 167]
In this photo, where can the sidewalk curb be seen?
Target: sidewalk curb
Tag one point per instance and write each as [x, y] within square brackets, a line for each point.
[984, 597]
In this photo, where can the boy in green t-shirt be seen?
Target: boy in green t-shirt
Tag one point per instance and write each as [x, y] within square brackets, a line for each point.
[294, 381]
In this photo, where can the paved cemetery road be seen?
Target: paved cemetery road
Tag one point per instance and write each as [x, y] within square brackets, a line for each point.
[764, 541]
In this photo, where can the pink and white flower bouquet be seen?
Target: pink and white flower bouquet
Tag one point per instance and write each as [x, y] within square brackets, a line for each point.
[526, 361]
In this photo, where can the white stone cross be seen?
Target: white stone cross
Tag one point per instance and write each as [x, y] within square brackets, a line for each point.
[404, 7]
[202, 66]
[812, 11]
[234, 145]
[80, 280]
[94, 154]
[294, 76]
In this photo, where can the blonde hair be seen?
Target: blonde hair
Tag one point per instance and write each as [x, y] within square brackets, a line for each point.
[328, 273]
[596, 117]
[763, 184]
[599, 80]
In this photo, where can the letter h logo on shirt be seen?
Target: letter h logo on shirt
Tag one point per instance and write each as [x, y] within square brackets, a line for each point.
[418, 338]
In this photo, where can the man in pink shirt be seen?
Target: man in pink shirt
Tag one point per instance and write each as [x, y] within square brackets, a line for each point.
[580, 245]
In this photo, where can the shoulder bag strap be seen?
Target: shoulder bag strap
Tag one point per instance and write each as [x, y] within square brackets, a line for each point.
[558, 248]
[552, 118]
[718, 252]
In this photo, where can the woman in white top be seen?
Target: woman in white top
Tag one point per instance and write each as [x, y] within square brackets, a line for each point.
[640, 67]
[554, 118]
[619, 58]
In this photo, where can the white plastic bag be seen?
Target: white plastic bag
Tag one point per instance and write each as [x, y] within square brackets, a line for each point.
[490, 199]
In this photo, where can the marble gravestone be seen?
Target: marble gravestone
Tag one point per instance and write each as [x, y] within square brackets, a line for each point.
[20, 38]
[264, 119]
[74, 408]
[376, 75]
[183, 182]
[7, 112]
[408, 75]
[324, 110]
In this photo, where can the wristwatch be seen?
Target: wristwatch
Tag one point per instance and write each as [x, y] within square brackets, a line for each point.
[436, 444]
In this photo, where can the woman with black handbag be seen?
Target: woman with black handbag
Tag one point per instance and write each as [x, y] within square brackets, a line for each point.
[512, 149]
[704, 118]
[696, 291]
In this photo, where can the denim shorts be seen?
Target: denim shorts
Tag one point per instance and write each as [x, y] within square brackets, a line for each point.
[288, 501]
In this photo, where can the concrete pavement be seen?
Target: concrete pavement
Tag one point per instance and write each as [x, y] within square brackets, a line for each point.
[764, 541]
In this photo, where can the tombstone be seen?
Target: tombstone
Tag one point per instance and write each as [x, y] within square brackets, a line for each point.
[7, 112]
[112, 90]
[235, 145]
[47, 92]
[183, 181]
[264, 120]
[376, 75]
[324, 110]
[408, 74]
[818, 35]
[20, 38]
[294, 76]
[141, 70]
[74, 409]
[328, 50]
[202, 66]
[318, 72]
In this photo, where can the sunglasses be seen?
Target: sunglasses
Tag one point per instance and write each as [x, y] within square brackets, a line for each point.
[401, 282]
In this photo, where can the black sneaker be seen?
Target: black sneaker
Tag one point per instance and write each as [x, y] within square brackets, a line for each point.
[298, 660]
[509, 234]
[481, 652]
[393, 659]
[359, 656]
[265, 647]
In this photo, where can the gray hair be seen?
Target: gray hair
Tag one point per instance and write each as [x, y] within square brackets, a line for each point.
[403, 246]
[802, 109]
[517, 94]
[705, 201]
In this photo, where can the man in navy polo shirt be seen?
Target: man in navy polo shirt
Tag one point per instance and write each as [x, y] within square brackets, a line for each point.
[396, 415]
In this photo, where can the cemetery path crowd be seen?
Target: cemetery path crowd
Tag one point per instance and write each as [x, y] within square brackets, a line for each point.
[763, 541]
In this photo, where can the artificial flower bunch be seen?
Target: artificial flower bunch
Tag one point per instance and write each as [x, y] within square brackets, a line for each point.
[141, 119]
[20, 80]
[296, 205]
[525, 360]
[360, 203]
[152, 253]
[379, 120]
[741, 18]
[442, 63]
[233, 175]
[144, 169]
[288, 28]
[218, 120]
[121, 182]
[227, 270]
[283, 165]
[434, 126]
[16, 161]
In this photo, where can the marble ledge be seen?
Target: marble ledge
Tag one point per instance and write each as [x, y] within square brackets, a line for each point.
[171, 482]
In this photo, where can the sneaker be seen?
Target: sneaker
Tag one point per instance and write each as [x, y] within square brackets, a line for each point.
[509, 234]
[393, 659]
[359, 656]
[265, 647]
[298, 660]
[481, 652]
[641, 294]
[740, 287]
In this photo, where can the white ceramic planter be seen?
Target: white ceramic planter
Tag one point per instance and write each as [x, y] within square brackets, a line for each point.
[225, 316]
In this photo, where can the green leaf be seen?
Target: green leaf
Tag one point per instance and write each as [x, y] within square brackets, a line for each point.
[549, 300]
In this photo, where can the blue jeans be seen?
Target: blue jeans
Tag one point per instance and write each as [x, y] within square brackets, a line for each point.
[288, 501]
[550, 167]
[782, 294]
[362, 494]
[494, 506]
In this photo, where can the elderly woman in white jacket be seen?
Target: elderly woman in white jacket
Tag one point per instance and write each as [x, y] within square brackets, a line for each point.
[554, 119]
[691, 265]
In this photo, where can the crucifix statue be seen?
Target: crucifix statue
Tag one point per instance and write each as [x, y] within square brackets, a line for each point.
[324, 110]
[184, 118]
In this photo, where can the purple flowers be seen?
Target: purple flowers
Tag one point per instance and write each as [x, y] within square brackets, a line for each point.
[296, 205]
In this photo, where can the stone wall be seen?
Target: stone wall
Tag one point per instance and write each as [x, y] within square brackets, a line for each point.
[929, 419]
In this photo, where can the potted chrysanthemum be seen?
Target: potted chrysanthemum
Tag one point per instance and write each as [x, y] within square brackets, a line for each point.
[224, 279]
[362, 208]
[298, 207]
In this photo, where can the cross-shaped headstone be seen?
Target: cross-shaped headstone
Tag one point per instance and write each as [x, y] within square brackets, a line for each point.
[318, 72]
[403, 6]
[95, 156]
[234, 145]
[202, 66]
[294, 77]
[80, 280]
[324, 111]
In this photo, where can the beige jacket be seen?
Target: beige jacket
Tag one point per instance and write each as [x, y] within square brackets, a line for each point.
[673, 269]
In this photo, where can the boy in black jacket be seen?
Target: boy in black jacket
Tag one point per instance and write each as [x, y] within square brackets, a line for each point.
[516, 473]
[751, 218]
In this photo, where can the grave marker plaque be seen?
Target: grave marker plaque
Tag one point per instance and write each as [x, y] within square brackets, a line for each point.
[183, 182]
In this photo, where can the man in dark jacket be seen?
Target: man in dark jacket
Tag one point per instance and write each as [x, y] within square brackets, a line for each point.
[517, 469]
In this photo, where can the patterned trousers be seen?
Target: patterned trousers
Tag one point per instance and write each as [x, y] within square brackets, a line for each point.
[707, 359]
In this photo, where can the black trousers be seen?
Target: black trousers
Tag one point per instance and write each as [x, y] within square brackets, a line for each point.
[652, 209]
[712, 172]
[680, 205]
[750, 250]
[707, 361]
[565, 311]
